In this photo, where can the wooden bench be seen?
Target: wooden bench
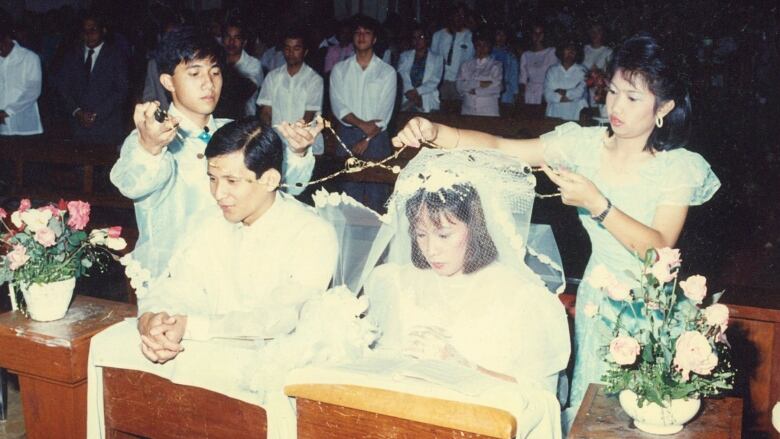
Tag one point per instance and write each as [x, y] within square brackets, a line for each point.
[49, 152]
[345, 411]
[143, 405]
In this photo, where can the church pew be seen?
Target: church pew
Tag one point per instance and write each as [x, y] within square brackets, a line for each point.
[344, 411]
[132, 398]
[82, 157]
[143, 405]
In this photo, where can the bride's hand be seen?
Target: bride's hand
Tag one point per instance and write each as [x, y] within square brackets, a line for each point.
[432, 343]
[415, 132]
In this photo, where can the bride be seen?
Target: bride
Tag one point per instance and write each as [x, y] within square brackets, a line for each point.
[453, 286]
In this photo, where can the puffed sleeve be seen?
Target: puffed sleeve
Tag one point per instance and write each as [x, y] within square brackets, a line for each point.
[685, 178]
[572, 146]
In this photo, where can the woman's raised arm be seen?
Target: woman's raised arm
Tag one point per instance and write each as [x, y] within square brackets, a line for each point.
[420, 130]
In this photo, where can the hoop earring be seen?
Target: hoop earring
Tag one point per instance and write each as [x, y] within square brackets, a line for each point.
[659, 121]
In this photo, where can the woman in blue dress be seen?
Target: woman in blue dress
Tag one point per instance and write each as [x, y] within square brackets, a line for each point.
[632, 182]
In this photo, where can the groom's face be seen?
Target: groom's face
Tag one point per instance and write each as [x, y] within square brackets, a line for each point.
[239, 193]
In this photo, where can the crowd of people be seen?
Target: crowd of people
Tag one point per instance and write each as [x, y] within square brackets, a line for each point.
[632, 181]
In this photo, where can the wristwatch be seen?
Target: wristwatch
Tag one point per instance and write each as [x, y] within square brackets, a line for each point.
[600, 217]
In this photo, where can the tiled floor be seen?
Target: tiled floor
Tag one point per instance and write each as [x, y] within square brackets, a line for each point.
[13, 426]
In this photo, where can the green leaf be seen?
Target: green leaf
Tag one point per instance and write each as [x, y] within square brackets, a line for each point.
[77, 237]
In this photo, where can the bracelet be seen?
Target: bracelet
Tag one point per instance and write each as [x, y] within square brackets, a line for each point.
[600, 217]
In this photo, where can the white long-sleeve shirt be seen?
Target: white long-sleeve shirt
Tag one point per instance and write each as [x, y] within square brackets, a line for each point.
[429, 89]
[168, 188]
[291, 96]
[598, 58]
[250, 68]
[462, 50]
[533, 67]
[20, 87]
[484, 100]
[368, 94]
[239, 281]
[573, 81]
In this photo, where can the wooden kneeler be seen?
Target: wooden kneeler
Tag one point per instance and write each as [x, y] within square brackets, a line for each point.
[142, 405]
[344, 411]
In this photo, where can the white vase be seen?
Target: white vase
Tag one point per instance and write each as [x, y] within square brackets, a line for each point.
[47, 302]
[655, 419]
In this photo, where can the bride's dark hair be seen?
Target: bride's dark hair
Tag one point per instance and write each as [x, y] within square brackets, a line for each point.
[461, 202]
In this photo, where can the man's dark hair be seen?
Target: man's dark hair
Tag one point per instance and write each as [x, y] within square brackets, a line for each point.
[235, 22]
[261, 145]
[365, 22]
[296, 33]
[185, 45]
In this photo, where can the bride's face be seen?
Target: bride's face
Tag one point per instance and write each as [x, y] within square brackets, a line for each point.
[444, 245]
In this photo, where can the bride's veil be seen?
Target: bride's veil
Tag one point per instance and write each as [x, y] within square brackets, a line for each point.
[504, 189]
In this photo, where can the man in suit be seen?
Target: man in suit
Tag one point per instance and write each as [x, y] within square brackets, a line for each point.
[92, 84]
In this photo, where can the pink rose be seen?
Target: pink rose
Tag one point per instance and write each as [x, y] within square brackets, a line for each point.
[717, 315]
[24, 204]
[693, 353]
[79, 214]
[600, 277]
[45, 237]
[669, 256]
[3, 213]
[18, 256]
[114, 232]
[695, 287]
[618, 291]
[662, 272]
[624, 350]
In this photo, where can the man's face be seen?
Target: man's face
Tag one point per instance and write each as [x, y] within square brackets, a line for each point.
[195, 86]
[363, 39]
[233, 40]
[482, 48]
[92, 33]
[294, 52]
[238, 191]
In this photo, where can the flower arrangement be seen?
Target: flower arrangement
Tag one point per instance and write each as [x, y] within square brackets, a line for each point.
[49, 244]
[664, 344]
[597, 80]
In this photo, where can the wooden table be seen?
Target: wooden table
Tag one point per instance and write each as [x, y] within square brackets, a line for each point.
[50, 359]
[600, 416]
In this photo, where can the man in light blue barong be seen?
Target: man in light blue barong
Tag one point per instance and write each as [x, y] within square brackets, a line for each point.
[161, 166]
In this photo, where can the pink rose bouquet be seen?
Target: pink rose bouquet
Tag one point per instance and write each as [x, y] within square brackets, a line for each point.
[663, 343]
[48, 244]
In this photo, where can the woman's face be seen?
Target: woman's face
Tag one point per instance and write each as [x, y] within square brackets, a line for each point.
[631, 106]
[569, 55]
[419, 42]
[443, 246]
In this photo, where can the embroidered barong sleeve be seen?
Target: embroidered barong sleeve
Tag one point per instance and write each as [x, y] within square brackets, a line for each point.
[138, 174]
[386, 99]
[338, 92]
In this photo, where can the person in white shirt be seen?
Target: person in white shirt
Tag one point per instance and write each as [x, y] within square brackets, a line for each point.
[253, 266]
[362, 96]
[597, 56]
[234, 41]
[252, 259]
[20, 87]
[479, 80]
[294, 90]
[564, 85]
[533, 66]
[161, 165]
[420, 71]
[454, 44]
